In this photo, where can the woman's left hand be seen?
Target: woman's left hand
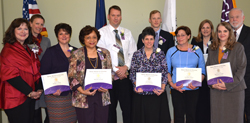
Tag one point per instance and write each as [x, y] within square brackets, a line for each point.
[190, 85]
[102, 90]
[158, 92]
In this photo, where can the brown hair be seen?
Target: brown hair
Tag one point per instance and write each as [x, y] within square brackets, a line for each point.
[230, 41]
[64, 27]
[153, 12]
[184, 28]
[116, 8]
[200, 36]
[86, 31]
[36, 16]
[9, 36]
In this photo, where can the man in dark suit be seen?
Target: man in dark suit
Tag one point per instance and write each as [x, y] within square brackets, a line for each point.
[236, 19]
[163, 39]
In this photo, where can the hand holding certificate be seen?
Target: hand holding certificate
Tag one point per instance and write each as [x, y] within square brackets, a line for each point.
[186, 76]
[221, 72]
[148, 81]
[54, 82]
[97, 78]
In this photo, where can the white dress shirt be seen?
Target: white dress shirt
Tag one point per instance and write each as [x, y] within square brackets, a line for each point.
[238, 31]
[108, 41]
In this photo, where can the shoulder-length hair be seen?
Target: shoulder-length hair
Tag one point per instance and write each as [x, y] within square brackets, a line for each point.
[231, 38]
[9, 36]
[200, 36]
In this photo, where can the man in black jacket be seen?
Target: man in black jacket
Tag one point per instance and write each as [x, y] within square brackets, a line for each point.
[242, 34]
[163, 39]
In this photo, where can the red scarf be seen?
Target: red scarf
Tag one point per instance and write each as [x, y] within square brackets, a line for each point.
[16, 61]
[37, 40]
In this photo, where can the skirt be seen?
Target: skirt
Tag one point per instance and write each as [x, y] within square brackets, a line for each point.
[150, 108]
[60, 109]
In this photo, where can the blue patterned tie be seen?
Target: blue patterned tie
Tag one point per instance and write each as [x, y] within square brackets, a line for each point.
[156, 40]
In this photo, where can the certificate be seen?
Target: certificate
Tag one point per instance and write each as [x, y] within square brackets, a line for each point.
[53, 82]
[219, 71]
[188, 75]
[97, 78]
[148, 81]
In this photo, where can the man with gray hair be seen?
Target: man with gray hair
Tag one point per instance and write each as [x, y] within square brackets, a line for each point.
[242, 34]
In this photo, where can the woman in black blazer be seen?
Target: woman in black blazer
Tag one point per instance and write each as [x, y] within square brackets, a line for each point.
[56, 59]
[203, 40]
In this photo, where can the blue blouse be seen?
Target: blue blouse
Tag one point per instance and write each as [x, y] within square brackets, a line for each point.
[184, 59]
[155, 64]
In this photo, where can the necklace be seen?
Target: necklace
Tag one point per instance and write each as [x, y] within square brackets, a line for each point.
[96, 62]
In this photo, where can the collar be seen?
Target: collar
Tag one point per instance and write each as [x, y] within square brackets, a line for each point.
[158, 32]
[111, 28]
[238, 31]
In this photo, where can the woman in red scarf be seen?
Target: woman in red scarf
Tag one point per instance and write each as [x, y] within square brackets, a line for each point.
[19, 73]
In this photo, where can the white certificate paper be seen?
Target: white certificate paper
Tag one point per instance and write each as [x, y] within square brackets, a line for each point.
[188, 75]
[219, 71]
[97, 78]
[148, 81]
[53, 82]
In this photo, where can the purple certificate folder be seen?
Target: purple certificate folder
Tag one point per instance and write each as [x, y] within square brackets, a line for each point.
[219, 71]
[54, 82]
[148, 87]
[97, 78]
[98, 85]
[185, 82]
[223, 78]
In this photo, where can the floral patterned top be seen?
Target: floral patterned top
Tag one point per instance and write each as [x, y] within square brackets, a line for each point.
[76, 75]
[155, 64]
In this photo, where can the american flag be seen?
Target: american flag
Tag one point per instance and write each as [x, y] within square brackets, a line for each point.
[30, 8]
[226, 7]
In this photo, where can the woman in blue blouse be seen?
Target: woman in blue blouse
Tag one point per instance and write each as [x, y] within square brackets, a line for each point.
[149, 106]
[184, 55]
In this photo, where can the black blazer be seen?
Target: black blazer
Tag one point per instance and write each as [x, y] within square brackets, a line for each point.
[244, 39]
[200, 44]
[165, 46]
[54, 61]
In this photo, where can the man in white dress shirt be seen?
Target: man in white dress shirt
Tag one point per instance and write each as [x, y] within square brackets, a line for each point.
[121, 45]
[242, 34]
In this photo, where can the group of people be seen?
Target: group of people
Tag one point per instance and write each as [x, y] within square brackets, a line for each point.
[27, 55]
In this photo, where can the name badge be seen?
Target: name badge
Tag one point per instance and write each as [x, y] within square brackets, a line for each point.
[116, 48]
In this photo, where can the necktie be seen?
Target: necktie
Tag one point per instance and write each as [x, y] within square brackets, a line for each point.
[156, 40]
[120, 53]
[235, 34]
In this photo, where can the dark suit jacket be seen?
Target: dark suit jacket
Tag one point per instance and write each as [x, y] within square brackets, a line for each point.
[54, 61]
[165, 46]
[200, 44]
[238, 62]
[244, 39]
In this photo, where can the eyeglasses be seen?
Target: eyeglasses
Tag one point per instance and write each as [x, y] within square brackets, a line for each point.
[180, 36]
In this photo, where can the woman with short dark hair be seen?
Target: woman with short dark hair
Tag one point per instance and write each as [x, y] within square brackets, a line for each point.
[56, 59]
[91, 105]
[149, 106]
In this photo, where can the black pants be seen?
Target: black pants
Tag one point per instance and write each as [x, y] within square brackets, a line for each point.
[38, 116]
[184, 103]
[122, 92]
[23, 113]
[247, 106]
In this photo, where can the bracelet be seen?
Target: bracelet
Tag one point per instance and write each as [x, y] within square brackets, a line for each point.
[29, 95]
